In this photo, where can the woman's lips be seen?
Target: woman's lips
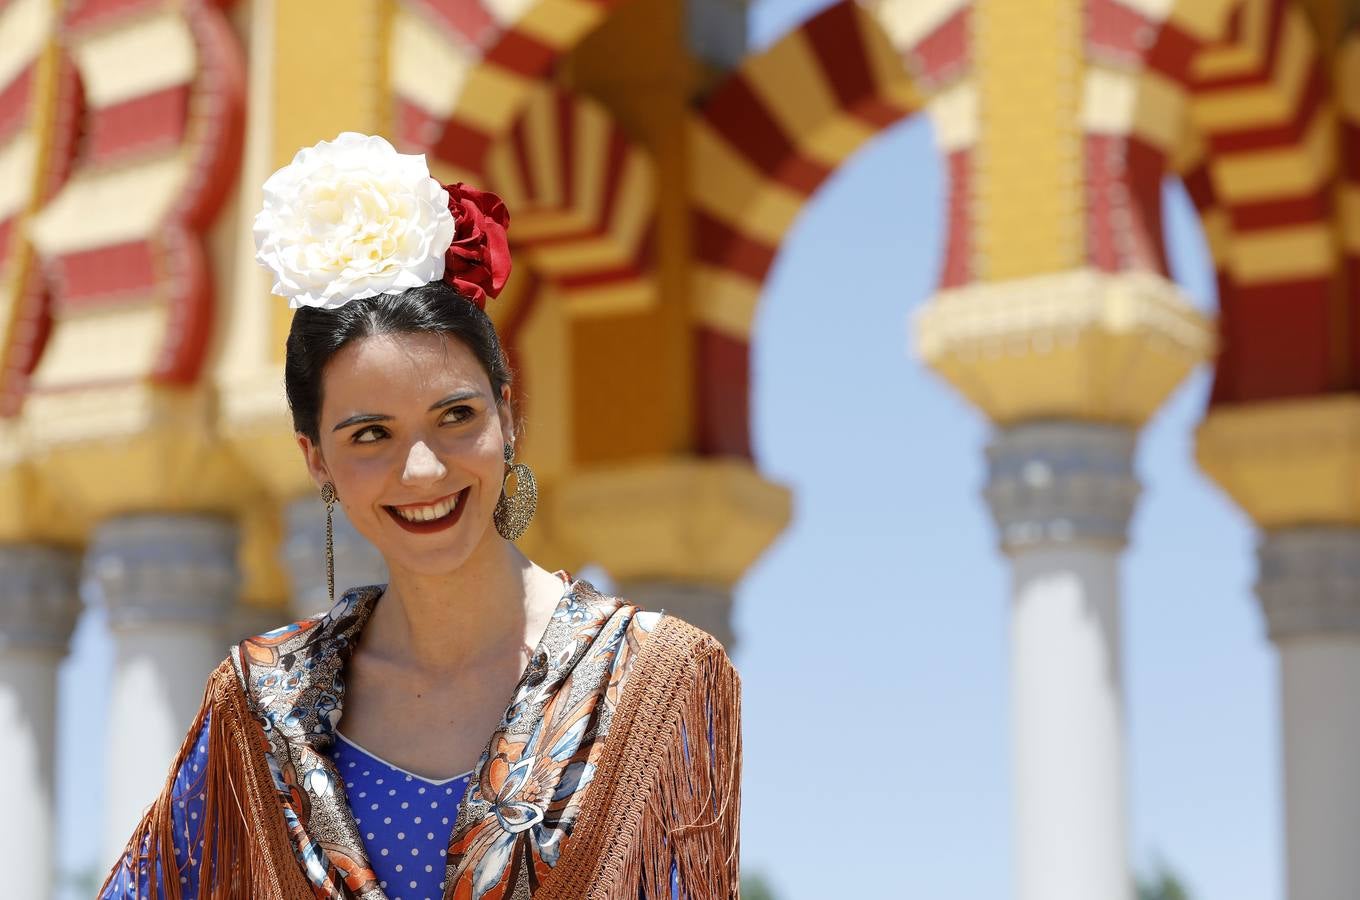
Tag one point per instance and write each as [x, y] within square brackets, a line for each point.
[448, 521]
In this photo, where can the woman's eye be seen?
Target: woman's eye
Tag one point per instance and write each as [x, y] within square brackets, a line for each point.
[459, 414]
[359, 435]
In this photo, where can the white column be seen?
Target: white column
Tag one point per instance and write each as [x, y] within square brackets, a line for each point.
[357, 562]
[1062, 494]
[705, 606]
[169, 582]
[39, 603]
[1309, 587]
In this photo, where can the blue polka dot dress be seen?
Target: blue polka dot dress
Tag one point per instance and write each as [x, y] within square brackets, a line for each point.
[405, 820]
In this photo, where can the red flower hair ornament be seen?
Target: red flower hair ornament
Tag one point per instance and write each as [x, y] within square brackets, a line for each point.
[477, 263]
[353, 218]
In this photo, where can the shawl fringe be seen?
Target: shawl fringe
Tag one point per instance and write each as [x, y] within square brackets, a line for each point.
[672, 798]
[242, 830]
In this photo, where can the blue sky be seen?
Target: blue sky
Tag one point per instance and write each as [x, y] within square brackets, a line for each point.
[874, 633]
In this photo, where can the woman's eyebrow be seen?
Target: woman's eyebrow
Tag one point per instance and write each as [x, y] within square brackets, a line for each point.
[361, 418]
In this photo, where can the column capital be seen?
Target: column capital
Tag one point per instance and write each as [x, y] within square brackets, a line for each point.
[1079, 344]
[166, 567]
[686, 519]
[39, 596]
[1057, 483]
[1309, 581]
[1287, 462]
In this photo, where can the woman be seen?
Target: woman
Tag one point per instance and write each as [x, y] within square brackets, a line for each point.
[347, 755]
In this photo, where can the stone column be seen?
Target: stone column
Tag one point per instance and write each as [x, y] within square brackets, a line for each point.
[1062, 494]
[169, 581]
[39, 604]
[357, 562]
[1309, 587]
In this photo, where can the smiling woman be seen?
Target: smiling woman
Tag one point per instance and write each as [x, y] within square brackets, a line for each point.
[509, 732]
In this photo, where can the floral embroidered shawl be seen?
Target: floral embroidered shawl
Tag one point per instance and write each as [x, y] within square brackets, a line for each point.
[596, 781]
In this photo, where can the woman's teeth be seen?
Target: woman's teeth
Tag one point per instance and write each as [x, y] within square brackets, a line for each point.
[428, 513]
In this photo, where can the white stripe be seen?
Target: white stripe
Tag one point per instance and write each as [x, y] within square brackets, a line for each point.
[908, 22]
[426, 68]
[25, 26]
[954, 113]
[149, 55]
[17, 158]
[96, 210]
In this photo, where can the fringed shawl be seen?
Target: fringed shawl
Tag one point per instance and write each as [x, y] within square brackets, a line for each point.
[618, 756]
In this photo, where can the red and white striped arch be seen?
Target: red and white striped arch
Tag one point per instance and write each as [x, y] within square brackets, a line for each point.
[122, 241]
[1239, 93]
[584, 202]
[1347, 80]
[764, 141]
[39, 104]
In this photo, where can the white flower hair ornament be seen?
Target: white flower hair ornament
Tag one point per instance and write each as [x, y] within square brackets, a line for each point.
[353, 218]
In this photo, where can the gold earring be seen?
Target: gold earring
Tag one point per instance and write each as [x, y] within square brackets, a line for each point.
[328, 497]
[513, 511]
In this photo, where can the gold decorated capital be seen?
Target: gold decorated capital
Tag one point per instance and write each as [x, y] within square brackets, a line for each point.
[1079, 344]
[1287, 462]
[693, 520]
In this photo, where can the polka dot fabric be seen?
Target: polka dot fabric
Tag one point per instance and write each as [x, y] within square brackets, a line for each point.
[187, 816]
[405, 820]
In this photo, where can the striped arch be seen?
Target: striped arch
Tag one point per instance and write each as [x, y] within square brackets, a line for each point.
[1234, 96]
[583, 196]
[122, 242]
[39, 109]
[462, 71]
[764, 141]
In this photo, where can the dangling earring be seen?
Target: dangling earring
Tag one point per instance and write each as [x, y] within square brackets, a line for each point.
[328, 497]
[513, 511]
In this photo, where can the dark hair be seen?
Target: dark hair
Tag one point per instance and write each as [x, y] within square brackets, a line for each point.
[316, 335]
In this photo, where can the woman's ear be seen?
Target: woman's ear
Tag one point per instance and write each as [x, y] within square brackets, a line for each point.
[311, 455]
[506, 410]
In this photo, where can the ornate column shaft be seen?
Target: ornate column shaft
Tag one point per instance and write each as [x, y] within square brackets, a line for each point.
[1309, 587]
[1062, 494]
[39, 604]
[169, 582]
[304, 555]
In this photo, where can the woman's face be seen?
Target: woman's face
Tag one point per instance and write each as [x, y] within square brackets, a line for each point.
[410, 430]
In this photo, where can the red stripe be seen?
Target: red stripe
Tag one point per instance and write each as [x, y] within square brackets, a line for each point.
[1104, 194]
[1173, 53]
[462, 146]
[1350, 155]
[523, 54]
[565, 106]
[941, 55]
[1285, 134]
[100, 13]
[519, 145]
[142, 125]
[465, 18]
[1266, 69]
[1117, 33]
[722, 411]
[92, 278]
[601, 278]
[958, 266]
[1281, 212]
[1199, 184]
[721, 245]
[417, 129]
[835, 39]
[1280, 337]
[1146, 168]
[7, 235]
[741, 118]
[14, 102]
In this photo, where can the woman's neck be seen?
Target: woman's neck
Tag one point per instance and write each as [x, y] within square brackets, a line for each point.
[458, 619]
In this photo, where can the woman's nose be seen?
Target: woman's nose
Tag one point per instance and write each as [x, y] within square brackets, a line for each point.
[422, 464]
